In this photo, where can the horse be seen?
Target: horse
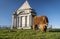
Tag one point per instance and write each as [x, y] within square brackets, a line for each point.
[40, 21]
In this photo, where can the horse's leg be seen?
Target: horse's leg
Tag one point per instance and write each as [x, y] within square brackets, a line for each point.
[33, 27]
[42, 27]
[45, 27]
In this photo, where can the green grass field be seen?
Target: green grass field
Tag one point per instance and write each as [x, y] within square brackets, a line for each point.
[28, 34]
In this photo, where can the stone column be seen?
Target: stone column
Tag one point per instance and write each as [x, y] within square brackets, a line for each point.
[25, 21]
[17, 22]
[28, 21]
[31, 20]
[12, 21]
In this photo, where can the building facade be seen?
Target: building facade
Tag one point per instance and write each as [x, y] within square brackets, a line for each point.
[23, 17]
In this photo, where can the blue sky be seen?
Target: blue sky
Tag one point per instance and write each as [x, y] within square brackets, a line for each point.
[50, 8]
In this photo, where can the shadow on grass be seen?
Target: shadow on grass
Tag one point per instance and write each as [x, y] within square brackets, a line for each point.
[54, 30]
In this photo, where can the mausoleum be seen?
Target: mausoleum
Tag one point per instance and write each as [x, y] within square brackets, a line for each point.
[23, 17]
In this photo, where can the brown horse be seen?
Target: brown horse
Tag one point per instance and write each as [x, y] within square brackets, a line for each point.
[40, 21]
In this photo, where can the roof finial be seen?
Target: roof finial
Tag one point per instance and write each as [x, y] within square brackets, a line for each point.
[25, 5]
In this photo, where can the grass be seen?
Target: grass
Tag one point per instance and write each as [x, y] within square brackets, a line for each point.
[27, 34]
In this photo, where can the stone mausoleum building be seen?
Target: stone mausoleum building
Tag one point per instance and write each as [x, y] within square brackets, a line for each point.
[23, 17]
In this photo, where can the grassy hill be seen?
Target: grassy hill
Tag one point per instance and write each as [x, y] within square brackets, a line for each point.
[27, 34]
